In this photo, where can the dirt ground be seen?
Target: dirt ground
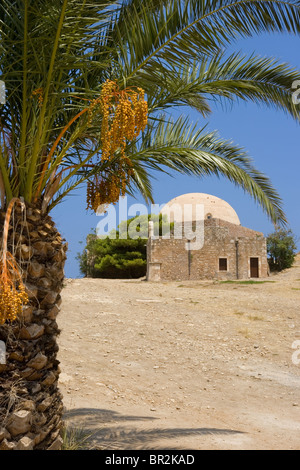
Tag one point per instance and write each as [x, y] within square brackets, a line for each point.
[182, 365]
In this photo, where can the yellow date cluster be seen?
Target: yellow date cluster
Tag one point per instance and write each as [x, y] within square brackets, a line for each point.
[12, 294]
[124, 116]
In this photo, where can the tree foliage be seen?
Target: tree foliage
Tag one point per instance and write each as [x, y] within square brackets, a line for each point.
[121, 254]
[114, 258]
[281, 248]
[56, 57]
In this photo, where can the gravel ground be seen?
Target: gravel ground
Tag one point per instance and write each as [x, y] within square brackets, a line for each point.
[182, 365]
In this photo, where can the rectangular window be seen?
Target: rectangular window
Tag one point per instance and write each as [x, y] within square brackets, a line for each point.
[222, 264]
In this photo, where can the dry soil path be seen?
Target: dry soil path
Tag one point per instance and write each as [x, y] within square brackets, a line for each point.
[183, 365]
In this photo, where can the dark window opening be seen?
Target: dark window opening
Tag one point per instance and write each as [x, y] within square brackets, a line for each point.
[222, 264]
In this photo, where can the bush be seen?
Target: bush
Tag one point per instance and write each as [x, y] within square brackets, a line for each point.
[281, 248]
[124, 255]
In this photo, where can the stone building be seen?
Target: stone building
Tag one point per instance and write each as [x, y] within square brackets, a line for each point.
[227, 251]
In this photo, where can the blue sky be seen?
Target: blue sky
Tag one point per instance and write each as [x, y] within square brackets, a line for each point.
[270, 137]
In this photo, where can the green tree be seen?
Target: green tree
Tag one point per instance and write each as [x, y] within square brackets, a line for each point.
[115, 258]
[281, 248]
[55, 59]
[122, 254]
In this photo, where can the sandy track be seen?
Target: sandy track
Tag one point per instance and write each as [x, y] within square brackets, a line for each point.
[182, 365]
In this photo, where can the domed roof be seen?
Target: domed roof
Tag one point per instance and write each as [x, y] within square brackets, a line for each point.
[209, 207]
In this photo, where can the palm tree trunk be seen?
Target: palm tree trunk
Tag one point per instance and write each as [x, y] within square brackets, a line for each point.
[30, 401]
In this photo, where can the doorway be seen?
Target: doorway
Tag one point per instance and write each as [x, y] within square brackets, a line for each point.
[254, 267]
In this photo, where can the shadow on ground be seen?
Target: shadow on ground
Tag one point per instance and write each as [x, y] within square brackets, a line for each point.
[105, 432]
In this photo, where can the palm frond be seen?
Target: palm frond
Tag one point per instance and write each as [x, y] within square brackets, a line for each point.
[181, 147]
[55, 57]
[262, 80]
[181, 32]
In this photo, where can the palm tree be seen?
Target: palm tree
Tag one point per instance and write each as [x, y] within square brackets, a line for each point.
[71, 68]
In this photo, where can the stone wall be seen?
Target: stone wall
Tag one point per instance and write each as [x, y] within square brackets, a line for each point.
[168, 259]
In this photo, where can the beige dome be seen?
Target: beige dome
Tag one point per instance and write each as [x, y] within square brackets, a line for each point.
[209, 207]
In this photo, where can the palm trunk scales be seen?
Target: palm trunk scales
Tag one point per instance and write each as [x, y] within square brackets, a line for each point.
[30, 401]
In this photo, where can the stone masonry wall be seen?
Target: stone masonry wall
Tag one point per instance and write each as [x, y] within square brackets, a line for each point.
[168, 259]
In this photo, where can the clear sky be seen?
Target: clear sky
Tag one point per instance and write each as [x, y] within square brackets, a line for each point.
[270, 137]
